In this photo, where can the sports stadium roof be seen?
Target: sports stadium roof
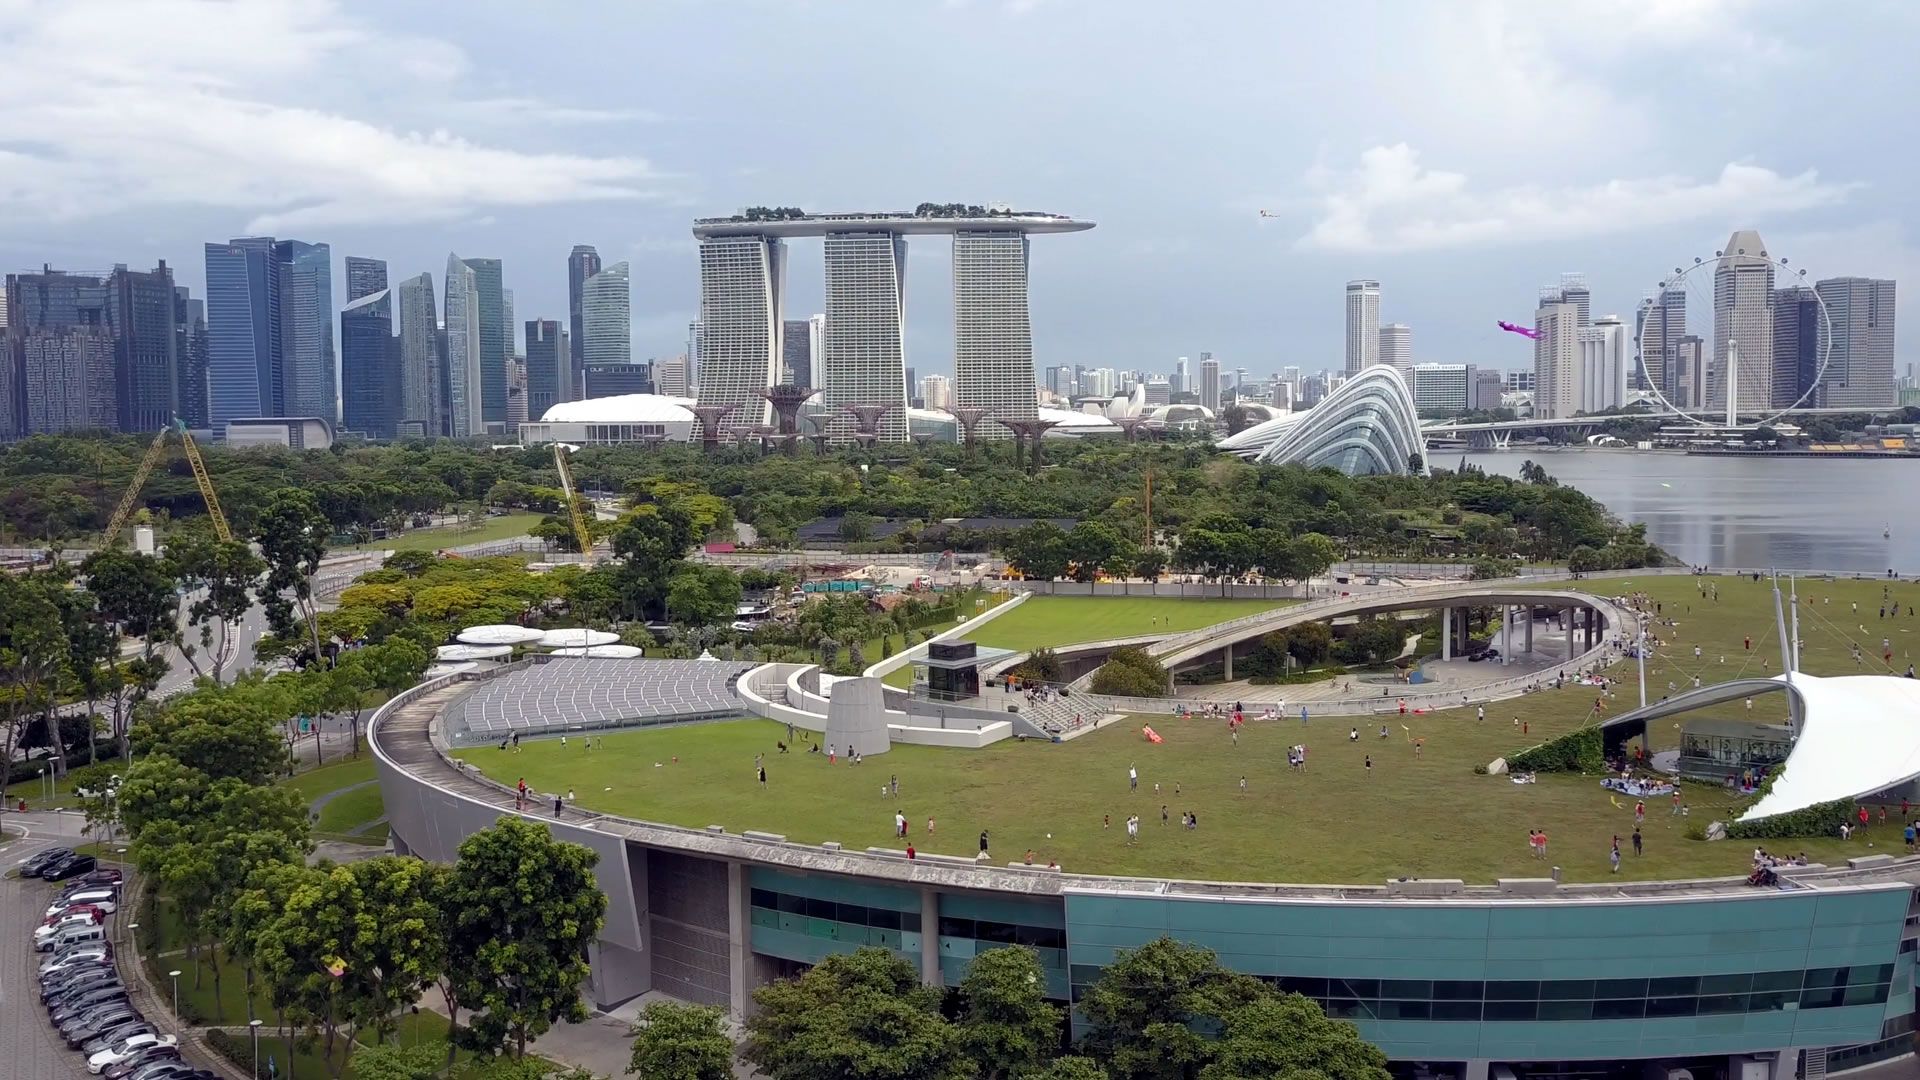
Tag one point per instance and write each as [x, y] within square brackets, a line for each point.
[621, 409]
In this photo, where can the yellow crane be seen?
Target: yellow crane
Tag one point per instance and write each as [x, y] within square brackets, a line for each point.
[155, 451]
[581, 534]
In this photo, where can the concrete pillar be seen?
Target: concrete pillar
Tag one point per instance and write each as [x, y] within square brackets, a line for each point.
[1226, 661]
[1446, 633]
[1529, 610]
[1476, 1069]
[739, 948]
[929, 937]
[1506, 634]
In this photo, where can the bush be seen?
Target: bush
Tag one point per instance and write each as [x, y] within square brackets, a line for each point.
[1130, 672]
[1576, 751]
[1292, 677]
[1041, 665]
[1820, 819]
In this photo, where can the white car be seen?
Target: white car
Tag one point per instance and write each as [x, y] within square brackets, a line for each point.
[100, 898]
[91, 954]
[43, 933]
[129, 1046]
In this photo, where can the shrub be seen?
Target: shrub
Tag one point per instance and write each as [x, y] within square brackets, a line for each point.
[1820, 819]
[1130, 672]
[1576, 751]
[1041, 665]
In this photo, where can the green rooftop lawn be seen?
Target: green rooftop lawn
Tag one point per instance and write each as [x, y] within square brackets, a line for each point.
[1065, 620]
[1424, 815]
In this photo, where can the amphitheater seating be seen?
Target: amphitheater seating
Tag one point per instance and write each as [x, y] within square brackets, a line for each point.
[566, 694]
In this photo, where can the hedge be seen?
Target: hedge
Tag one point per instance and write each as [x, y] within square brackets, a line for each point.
[1820, 819]
[1576, 751]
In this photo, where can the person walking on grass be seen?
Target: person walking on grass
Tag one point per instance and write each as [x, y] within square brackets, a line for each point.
[1133, 778]
[763, 776]
[1614, 855]
[1636, 840]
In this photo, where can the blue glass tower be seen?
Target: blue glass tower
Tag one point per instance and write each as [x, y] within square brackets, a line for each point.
[244, 354]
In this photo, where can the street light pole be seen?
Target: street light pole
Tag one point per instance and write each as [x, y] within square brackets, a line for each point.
[253, 1028]
[175, 976]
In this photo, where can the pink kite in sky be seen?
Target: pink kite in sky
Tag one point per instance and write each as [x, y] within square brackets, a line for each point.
[1523, 331]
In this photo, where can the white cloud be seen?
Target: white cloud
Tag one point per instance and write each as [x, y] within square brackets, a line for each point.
[1390, 202]
[123, 104]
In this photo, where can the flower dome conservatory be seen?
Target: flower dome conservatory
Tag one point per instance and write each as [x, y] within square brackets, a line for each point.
[1367, 427]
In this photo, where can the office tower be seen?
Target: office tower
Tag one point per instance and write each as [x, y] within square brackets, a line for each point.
[512, 328]
[1687, 368]
[1279, 395]
[491, 300]
[1742, 374]
[1487, 388]
[516, 392]
[1860, 345]
[1396, 345]
[422, 372]
[865, 360]
[1313, 388]
[549, 367]
[365, 277]
[1603, 363]
[309, 383]
[1520, 379]
[1179, 383]
[1573, 290]
[936, 392]
[1796, 346]
[1209, 383]
[190, 347]
[244, 345]
[1442, 388]
[694, 335]
[608, 380]
[146, 356]
[1556, 357]
[736, 342]
[992, 327]
[796, 352]
[670, 377]
[67, 379]
[605, 311]
[1363, 325]
[1059, 380]
[1159, 392]
[465, 349]
[372, 377]
[1661, 323]
[817, 346]
[582, 263]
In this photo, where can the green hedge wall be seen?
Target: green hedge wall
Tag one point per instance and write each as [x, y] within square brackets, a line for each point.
[1576, 751]
[1821, 819]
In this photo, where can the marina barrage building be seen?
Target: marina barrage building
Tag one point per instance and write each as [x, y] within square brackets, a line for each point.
[862, 354]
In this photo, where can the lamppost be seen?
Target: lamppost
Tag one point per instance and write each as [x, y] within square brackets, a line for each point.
[133, 935]
[175, 976]
[253, 1028]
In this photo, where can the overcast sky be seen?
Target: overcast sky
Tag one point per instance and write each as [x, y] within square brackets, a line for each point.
[1463, 153]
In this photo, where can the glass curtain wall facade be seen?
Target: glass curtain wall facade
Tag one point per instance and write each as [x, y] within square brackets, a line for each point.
[496, 343]
[309, 383]
[606, 311]
[549, 367]
[420, 359]
[146, 358]
[243, 330]
[992, 329]
[464, 350]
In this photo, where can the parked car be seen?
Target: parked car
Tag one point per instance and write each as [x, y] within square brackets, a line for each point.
[91, 954]
[104, 876]
[69, 981]
[70, 994]
[59, 980]
[70, 867]
[104, 899]
[113, 1035]
[52, 928]
[78, 1029]
[80, 885]
[69, 937]
[74, 909]
[87, 1002]
[151, 1063]
[133, 1044]
[37, 863]
[163, 1070]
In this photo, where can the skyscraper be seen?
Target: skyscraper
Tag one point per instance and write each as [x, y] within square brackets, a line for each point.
[490, 299]
[992, 327]
[1363, 326]
[1573, 290]
[865, 360]
[244, 346]
[372, 379]
[68, 379]
[1687, 370]
[549, 367]
[512, 328]
[418, 415]
[582, 263]
[1860, 346]
[309, 381]
[1796, 346]
[734, 348]
[1742, 327]
[190, 347]
[796, 352]
[140, 312]
[1396, 346]
[670, 377]
[365, 277]
[1556, 357]
[606, 312]
[1210, 382]
[936, 392]
[1662, 323]
[464, 352]
[1603, 363]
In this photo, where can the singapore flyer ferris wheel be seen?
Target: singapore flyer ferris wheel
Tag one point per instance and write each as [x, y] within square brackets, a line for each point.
[1738, 339]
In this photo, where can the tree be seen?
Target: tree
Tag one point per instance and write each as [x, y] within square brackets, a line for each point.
[385, 670]
[1150, 563]
[133, 596]
[520, 909]
[1090, 547]
[292, 533]
[393, 1061]
[1037, 550]
[701, 595]
[1416, 464]
[33, 652]
[863, 1015]
[1131, 672]
[1007, 1027]
[1285, 1035]
[218, 575]
[681, 1042]
[223, 731]
[1146, 1011]
[1070, 1067]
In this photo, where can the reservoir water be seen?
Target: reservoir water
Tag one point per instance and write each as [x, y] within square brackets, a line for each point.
[1788, 513]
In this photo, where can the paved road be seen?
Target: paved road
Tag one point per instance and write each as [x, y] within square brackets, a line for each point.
[28, 1044]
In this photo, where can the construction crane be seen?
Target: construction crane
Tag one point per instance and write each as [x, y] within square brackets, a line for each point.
[581, 534]
[155, 451]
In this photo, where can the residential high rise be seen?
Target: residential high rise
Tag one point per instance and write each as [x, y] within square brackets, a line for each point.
[1860, 348]
[796, 353]
[1742, 327]
[67, 379]
[549, 367]
[309, 381]
[1603, 363]
[244, 345]
[465, 350]
[936, 392]
[736, 343]
[495, 348]
[582, 263]
[1363, 325]
[371, 366]
[606, 312]
[1210, 382]
[865, 358]
[190, 347]
[1796, 346]
[1556, 357]
[1059, 380]
[992, 328]
[1396, 345]
[670, 377]
[421, 369]
[1573, 290]
[146, 347]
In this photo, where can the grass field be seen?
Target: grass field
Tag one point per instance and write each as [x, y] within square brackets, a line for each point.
[1065, 620]
[316, 782]
[346, 816]
[1417, 815]
[503, 527]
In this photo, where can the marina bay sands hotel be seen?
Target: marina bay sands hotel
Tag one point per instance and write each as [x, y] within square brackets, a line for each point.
[862, 358]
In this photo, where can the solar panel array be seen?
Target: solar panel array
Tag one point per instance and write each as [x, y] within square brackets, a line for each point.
[568, 693]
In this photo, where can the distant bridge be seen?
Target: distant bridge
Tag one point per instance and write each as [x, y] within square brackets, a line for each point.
[1497, 433]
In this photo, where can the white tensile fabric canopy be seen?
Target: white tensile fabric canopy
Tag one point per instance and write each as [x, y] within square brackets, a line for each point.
[498, 634]
[1859, 734]
[576, 638]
